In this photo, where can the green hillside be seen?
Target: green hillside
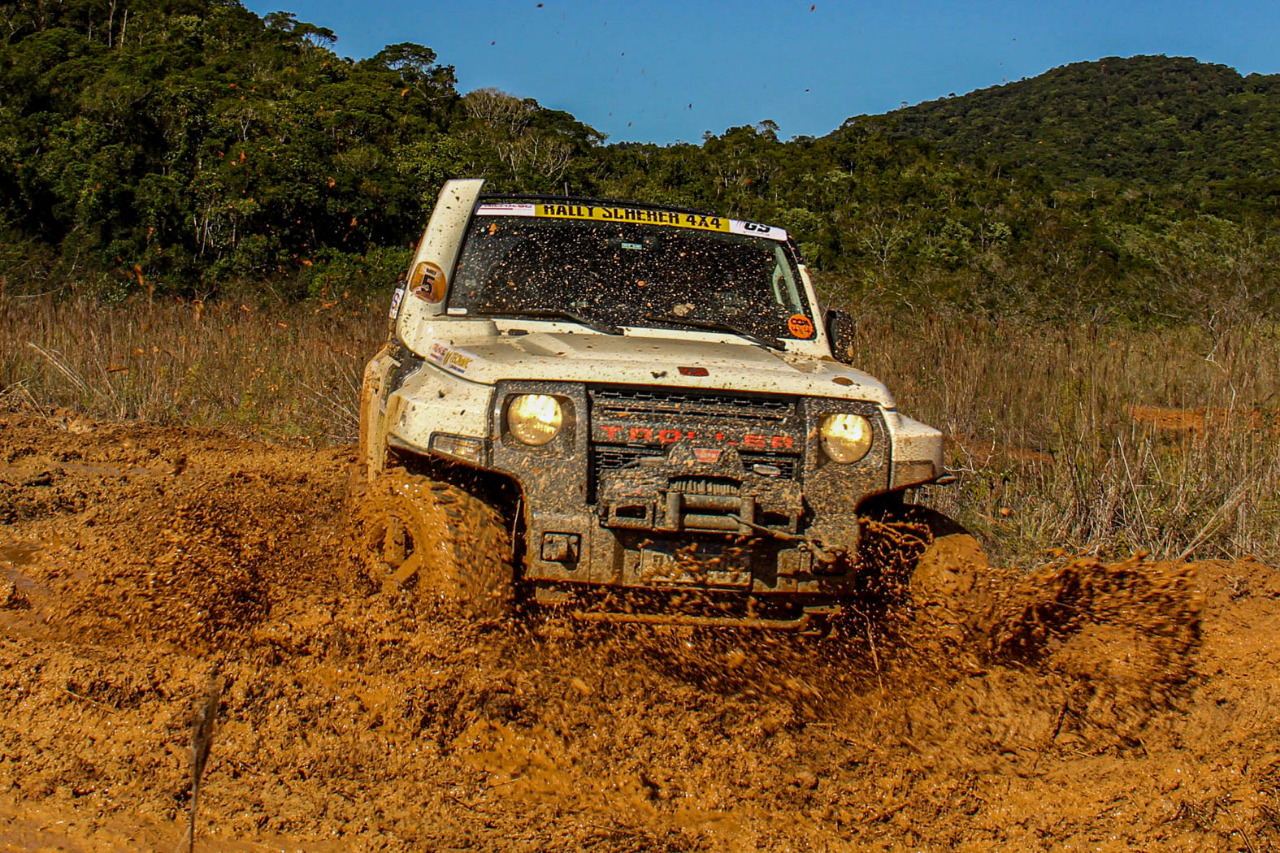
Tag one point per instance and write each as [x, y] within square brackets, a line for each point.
[193, 148]
[1151, 119]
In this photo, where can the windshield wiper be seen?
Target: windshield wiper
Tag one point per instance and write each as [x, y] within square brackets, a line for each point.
[552, 313]
[719, 326]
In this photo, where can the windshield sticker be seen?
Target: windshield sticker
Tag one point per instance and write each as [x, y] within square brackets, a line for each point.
[800, 327]
[452, 360]
[505, 210]
[755, 229]
[642, 216]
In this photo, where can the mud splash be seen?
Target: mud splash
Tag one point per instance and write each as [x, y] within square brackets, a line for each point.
[1082, 704]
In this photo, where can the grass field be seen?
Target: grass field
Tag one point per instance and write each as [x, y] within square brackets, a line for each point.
[1096, 439]
[283, 373]
[1088, 439]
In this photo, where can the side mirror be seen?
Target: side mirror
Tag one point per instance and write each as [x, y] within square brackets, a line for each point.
[840, 334]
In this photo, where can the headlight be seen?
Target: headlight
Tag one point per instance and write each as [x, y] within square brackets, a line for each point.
[845, 438]
[535, 419]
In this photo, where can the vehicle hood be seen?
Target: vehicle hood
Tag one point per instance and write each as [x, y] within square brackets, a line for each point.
[635, 360]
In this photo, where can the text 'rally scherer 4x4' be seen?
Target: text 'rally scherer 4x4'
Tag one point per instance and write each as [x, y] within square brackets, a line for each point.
[634, 409]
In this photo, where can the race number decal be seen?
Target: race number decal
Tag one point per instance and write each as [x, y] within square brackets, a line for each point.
[428, 282]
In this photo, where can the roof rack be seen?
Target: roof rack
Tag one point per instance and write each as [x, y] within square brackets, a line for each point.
[548, 198]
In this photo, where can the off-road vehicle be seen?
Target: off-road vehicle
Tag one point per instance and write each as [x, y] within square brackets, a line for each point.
[636, 408]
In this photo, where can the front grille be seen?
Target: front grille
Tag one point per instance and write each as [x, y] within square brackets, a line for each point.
[613, 457]
[709, 419]
[784, 462]
[706, 486]
[692, 403]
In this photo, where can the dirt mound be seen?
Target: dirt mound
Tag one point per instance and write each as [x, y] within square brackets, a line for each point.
[177, 536]
[1127, 705]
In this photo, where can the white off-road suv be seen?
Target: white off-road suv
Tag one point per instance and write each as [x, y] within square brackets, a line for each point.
[635, 408]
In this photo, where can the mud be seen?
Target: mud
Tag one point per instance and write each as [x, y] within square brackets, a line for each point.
[1073, 705]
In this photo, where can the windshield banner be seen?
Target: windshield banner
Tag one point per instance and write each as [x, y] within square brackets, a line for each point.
[639, 216]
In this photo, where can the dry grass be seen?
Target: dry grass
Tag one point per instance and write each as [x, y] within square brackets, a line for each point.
[1093, 439]
[277, 373]
[1096, 439]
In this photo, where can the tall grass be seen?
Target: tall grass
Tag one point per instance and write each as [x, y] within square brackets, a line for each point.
[283, 372]
[1096, 439]
[1041, 421]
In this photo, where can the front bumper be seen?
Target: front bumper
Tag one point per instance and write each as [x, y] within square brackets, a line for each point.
[653, 488]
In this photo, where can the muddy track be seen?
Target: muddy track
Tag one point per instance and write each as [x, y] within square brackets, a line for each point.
[1080, 704]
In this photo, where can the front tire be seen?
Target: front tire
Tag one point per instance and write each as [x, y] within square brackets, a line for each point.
[932, 565]
[434, 538]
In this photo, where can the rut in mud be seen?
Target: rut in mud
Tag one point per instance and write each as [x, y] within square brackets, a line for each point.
[1122, 705]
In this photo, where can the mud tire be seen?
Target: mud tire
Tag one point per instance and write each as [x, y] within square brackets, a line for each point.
[435, 539]
[951, 584]
[933, 567]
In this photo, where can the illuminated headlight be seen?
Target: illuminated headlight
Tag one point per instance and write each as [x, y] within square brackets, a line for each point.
[534, 419]
[845, 438]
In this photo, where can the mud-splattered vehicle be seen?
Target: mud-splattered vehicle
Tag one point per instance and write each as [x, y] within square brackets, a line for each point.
[636, 408]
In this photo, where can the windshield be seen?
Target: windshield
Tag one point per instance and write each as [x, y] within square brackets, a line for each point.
[609, 267]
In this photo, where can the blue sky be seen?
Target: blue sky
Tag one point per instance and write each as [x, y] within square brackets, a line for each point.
[663, 70]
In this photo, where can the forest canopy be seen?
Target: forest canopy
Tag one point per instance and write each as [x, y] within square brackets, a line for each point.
[192, 147]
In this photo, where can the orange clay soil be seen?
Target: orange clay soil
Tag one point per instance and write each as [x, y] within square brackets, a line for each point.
[1077, 705]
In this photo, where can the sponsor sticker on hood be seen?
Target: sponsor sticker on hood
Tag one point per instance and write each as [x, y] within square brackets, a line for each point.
[452, 360]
